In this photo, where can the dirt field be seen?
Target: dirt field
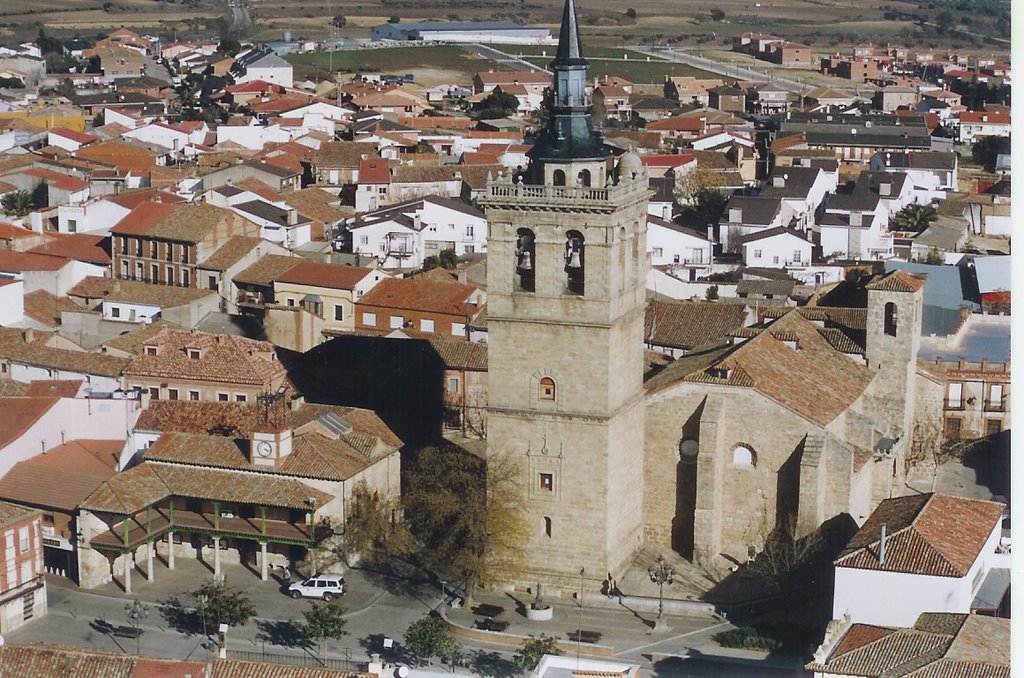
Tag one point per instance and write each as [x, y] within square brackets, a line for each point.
[431, 65]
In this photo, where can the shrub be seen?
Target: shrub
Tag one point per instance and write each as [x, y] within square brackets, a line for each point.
[747, 638]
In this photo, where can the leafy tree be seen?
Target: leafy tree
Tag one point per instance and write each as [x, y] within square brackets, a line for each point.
[498, 104]
[370, 530]
[533, 650]
[717, 14]
[467, 511]
[48, 44]
[448, 259]
[431, 637]
[324, 620]
[223, 604]
[914, 217]
[944, 20]
[394, 19]
[711, 293]
[229, 46]
[339, 21]
[631, 13]
[40, 196]
[430, 263]
[707, 208]
[15, 83]
[17, 203]
[986, 151]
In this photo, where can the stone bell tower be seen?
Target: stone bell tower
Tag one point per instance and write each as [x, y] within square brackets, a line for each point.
[567, 265]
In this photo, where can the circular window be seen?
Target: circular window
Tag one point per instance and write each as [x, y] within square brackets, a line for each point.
[688, 449]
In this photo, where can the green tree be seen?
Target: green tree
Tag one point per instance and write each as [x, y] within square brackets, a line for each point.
[229, 46]
[448, 259]
[17, 203]
[431, 262]
[468, 512]
[48, 44]
[717, 14]
[223, 604]
[498, 104]
[711, 293]
[394, 19]
[986, 151]
[707, 208]
[323, 621]
[914, 217]
[533, 650]
[40, 196]
[339, 21]
[631, 13]
[431, 637]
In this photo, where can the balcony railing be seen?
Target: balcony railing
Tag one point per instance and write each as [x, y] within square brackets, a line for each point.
[953, 404]
[995, 406]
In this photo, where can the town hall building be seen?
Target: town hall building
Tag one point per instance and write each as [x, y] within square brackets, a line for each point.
[800, 418]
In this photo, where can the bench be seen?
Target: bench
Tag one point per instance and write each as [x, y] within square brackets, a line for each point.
[127, 631]
[492, 625]
[584, 636]
[485, 610]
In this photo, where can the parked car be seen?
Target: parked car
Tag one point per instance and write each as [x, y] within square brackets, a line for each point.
[326, 586]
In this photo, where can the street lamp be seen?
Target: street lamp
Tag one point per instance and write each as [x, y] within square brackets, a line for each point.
[443, 582]
[661, 574]
[203, 599]
[135, 612]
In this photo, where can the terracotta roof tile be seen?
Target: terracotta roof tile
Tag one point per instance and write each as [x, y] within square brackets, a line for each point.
[267, 269]
[19, 262]
[686, 324]
[148, 667]
[185, 222]
[12, 513]
[223, 358]
[437, 293]
[461, 355]
[897, 281]
[932, 534]
[62, 477]
[233, 668]
[93, 249]
[228, 254]
[342, 154]
[45, 308]
[322, 274]
[95, 288]
[48, 661]
[14, 347]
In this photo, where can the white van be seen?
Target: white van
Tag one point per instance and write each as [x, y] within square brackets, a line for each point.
[325, 586]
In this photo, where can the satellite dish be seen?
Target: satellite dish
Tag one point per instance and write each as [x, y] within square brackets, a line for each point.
[402, 672]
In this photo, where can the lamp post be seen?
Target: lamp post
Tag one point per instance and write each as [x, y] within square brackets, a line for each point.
[203, 599]
[443, 597]
[135, 612]
[661, 574]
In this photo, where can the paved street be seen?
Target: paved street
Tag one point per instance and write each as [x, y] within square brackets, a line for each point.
[377, 608]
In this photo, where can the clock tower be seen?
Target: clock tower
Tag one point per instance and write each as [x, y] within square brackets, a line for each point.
[566, 284]
[271, 440]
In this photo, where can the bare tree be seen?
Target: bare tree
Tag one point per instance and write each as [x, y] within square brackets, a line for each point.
[467, 511]
[785, 557]
[931, 447]
[373, 529]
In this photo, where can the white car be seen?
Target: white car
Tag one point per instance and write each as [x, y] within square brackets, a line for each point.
[325, 586]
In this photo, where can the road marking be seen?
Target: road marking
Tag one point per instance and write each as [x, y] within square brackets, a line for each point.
[682, 635]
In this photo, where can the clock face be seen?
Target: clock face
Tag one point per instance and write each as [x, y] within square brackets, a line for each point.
[264, 449]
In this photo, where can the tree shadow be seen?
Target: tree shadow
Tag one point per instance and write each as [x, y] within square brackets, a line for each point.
[285, 633]
[398, 576]
[490, 663]
[180, 618]
[396, 654]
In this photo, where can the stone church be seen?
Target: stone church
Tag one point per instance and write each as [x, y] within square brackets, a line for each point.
[802, 417]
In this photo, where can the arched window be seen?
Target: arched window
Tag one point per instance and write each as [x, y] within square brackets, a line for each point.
[890, 319]
[583, 178]
[743, 456]
[546, 389]
[526, 252]
[574, 262]
[547, 526]
[558, 178]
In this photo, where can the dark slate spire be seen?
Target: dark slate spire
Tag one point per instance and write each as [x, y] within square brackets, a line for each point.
[569, 134]
[569, 50]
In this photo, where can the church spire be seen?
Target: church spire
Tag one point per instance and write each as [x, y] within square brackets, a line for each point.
[569, 135]
[569, 50]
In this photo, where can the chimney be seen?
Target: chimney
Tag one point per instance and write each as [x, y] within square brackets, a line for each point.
[984, 118]
[779, 181]
[28, 335]
[856, 219]
[736, 215]
[711, 232]
[293, 216]
[885, 189]
[881, 547]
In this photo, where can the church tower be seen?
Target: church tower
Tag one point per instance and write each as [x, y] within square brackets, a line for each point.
[567, 265]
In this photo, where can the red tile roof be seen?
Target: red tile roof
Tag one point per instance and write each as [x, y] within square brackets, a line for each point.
[374, 171]
[63, 476]
[77, 246]
[930, 534]
[17, 415]
[57, 180]
[434, 293]
[321, 274]
[897, 281]
[19, 262]
[981, 117]
[80, 137]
